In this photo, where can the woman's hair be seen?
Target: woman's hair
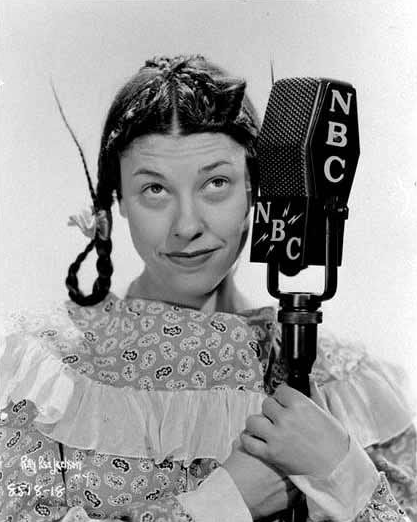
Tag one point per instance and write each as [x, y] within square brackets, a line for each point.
[186, 94]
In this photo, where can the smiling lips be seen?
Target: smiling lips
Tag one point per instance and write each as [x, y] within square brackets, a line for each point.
[190, 259]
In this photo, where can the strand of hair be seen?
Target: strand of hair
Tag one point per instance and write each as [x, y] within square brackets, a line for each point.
[80, 150]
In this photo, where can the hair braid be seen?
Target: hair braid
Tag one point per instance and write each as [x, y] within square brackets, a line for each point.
[101, 242]
[104, 266]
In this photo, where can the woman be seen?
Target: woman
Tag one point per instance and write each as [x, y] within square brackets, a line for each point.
[133, 408]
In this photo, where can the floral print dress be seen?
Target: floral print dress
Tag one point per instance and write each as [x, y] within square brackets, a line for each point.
[120, 407]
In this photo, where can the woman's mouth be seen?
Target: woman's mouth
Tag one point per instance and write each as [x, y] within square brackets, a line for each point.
[190, 259]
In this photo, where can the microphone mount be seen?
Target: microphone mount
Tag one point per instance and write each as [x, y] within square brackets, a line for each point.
[300, 312]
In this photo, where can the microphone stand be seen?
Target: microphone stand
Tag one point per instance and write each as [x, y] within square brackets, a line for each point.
[300, 314]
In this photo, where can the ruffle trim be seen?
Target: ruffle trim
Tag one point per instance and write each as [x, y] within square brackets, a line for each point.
[369, 400]
[373, 401]
[154, 424]
[86, 414]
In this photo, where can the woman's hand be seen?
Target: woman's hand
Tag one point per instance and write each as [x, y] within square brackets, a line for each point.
[295, 435]
[264, 490]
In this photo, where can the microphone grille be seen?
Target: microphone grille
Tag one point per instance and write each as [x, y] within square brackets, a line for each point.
[282, 151]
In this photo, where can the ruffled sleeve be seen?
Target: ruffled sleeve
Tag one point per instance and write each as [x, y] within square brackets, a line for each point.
[373, 402]
[371, 398]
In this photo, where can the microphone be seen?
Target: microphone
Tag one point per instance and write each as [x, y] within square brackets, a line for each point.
[307, 149]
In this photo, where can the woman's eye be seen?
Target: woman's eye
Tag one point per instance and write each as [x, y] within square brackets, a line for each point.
[218, 183]
[153, 190]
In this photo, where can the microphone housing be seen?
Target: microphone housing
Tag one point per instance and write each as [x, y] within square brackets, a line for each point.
[308, 150]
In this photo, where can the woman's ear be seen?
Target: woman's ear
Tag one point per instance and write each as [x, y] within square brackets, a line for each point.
[122, 208]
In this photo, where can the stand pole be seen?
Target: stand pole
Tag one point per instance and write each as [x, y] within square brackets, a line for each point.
[299, 316]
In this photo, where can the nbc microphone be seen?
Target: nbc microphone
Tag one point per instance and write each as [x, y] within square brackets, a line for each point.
[307, 150]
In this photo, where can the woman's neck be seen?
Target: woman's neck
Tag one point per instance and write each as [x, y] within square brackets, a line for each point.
[225, 298]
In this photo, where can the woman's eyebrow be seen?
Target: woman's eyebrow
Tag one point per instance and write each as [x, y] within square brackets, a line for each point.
[150, 172]
[206, 168]
[215, 164]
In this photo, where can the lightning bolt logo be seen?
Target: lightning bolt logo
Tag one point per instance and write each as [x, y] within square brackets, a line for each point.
[262, 238]
[271, 248]
[286, 210]
[294, 219]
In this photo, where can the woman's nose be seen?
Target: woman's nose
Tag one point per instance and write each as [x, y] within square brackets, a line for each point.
[188, 222]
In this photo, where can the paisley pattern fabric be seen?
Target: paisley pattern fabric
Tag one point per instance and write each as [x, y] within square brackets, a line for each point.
[396, 460]
[150, 347]
[162, 347]
[382, 506]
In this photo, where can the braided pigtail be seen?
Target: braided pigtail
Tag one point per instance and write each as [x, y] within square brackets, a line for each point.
[101, 241]
[104, 266]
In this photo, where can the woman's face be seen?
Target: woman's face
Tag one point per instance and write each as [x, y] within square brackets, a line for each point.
[186, 202]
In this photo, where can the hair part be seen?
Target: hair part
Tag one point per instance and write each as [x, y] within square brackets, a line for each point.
[183, 94]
